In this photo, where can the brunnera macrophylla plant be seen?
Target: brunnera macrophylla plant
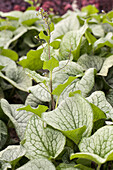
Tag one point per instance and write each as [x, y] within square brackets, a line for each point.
[66, 121]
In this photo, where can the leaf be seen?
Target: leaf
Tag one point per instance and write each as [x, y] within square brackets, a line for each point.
[90, 9]
[68, 44]
[92, 61]
[107, 21]
[32, 61]
[75, 135]
[80, 33]
[106, 65]
[86, 83]
[87, 155]
[40, 92]
[71, 42]
[12, 154]
[10, 53]
[97, 30]
[43, 36]
[37, 77]
[4, 165]
[18, 118]
[66, 68]
[28, 18]
[29, 37]
[85, 46]
[3, 134]
[91, 39]
[51, 26]
[1, 67]
[82, 167]
[17, 78]
[63, 166]
[45, 55]
[71, 114]
[38, 111]
[55, 44]
[5, 37]
[32, 101]
[109, 78]
[38, 164]
[42, 142]
[71, 94]
[17, 34]
[6, 62]
[51, 64]
[101, 42]
[59, 89]
[109, 97]
[12, 25]
[64, 156]
[67, 24]
[97, 113]
[13, 15]
[98, 147]
[98, 99]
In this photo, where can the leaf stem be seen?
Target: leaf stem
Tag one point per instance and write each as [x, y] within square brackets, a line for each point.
[98, 167]
[51, 89]
[57, 102]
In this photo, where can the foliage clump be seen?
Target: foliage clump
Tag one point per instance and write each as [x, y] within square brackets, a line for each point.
[58, 95]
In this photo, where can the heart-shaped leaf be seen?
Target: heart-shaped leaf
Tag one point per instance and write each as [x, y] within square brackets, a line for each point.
[102, 42]
[97, 113]
[98, 147]
[18, 118]
[37, 77]
[41, 92]
[92, 61]
[72, 113]
[71, 43]
[33, 101]
[17, 77]
[97, 30]
[67, 24]
[17, 34]
[29, 17]
[12, 154]
[98, 98]
[87, 82]
[85, 85]
[66, 68]
[42, 141]
[13, 15]
[38, 164]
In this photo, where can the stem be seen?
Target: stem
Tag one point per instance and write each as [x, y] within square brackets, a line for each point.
[57, 102]
[52, 100]
[49, 51]
[98, 167]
